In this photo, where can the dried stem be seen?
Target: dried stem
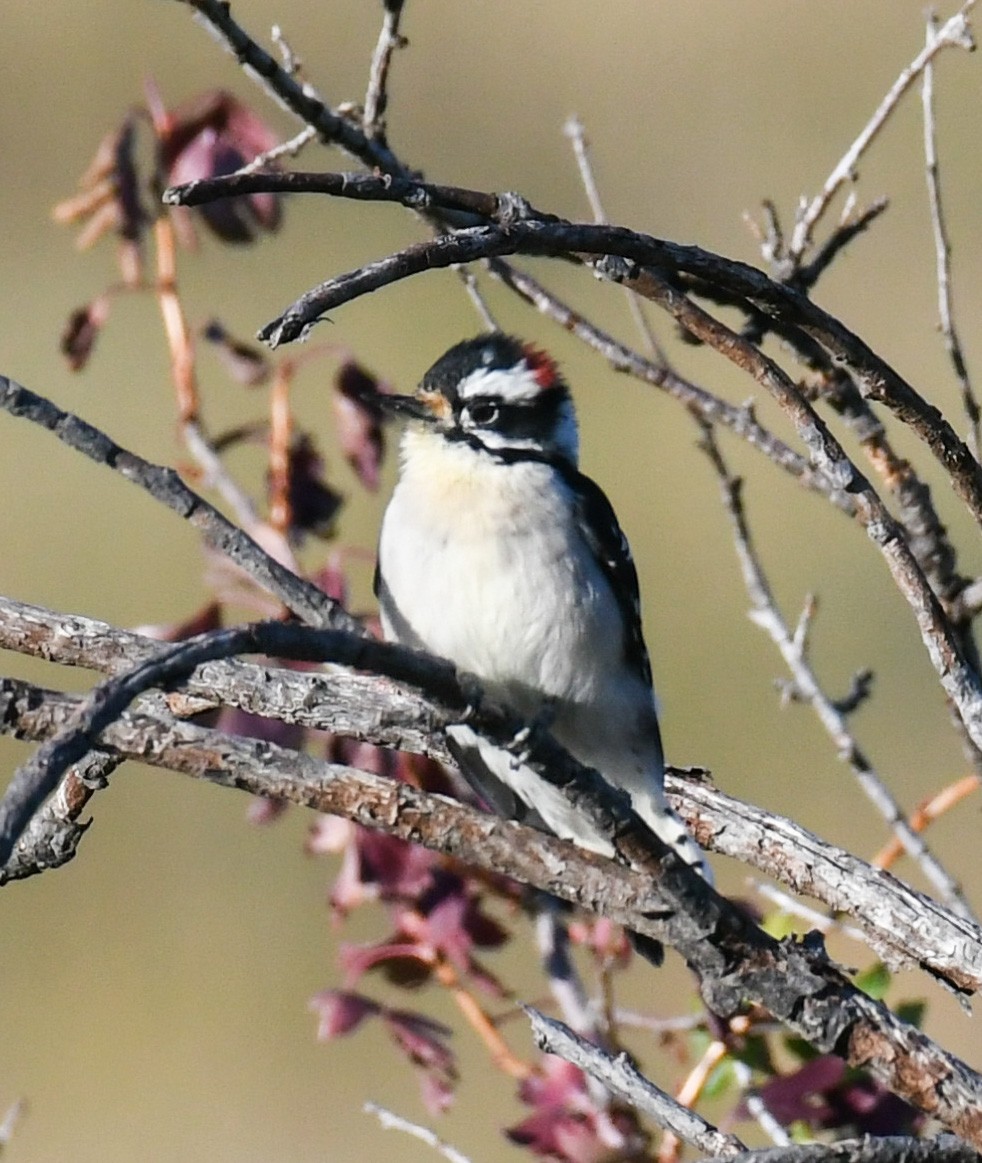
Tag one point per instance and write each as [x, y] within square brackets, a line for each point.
[376, 98]
[954, 32]
[926, 813]
[390, 1121]
[766, 615]
[942, 247]
[620, 1077]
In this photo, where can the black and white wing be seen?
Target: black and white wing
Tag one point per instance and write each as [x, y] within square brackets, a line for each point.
[598, 525]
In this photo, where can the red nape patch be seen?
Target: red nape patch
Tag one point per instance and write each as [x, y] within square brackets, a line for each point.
[543, 366]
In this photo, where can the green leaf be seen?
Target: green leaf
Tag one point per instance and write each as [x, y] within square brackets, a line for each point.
[912, 1012]
[778, 924]
[874, 981]
[801, 1132]
[721, 1079]
[802, 1050]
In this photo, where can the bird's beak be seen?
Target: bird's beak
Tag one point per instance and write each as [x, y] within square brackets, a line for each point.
[425, 407]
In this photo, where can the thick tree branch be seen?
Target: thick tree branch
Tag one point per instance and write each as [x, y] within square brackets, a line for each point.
[736, 962]
[521, 232]
[905, 927]
[870, 1149]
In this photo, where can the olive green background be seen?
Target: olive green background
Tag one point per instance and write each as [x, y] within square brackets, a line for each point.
[153, 993]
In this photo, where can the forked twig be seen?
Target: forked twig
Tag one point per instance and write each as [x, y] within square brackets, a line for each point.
[376, 97]
[956, 32]
[942, 248]
[766, 615]
[621, 1077]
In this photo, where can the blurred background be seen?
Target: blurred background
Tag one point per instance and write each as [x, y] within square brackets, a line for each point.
[154, 1000]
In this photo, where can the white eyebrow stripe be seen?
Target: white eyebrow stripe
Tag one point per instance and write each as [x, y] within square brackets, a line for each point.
[512, 385]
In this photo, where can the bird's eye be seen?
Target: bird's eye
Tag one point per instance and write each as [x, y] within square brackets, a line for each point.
[483, 412]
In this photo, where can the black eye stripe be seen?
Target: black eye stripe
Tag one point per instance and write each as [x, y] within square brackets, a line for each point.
[505, 415]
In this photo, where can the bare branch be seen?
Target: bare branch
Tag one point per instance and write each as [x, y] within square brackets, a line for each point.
[899, 923]
[955, 32]
[164, 484]
[621, 1077]
[281, 85]
[903, 926]
[577, 136]
[741, 421]
[289, 148]
[942, 246]
[376, 98]
[892, 1149]
[735, 961]
[807, 276]
[389, 1121]
[766, 615]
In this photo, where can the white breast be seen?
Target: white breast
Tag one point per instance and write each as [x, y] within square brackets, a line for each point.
[485, 564]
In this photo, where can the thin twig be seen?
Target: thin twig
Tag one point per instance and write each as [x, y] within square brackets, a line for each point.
[289, 148]
[621, 1077]
[175, 325]
[755, 1105]
[390, 1121]
[927, 812]
[477, 298]
[955, 32]
[794, 908]
[285, 89]
[766, 615]
[376, 97]
[565, 983]
[577, 135]
[688, 1095]
[942, 248]
[297, 594]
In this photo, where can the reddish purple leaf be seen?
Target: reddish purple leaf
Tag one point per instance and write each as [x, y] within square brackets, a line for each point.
[358, 422]
[313, 503]
[207, 618]
[421, 1039]
[245, 364]
[211, 135]
[402, 959]
[81, 331]
[340, 1011]
[332, 579]
[800, 1096]
[565, 1123]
